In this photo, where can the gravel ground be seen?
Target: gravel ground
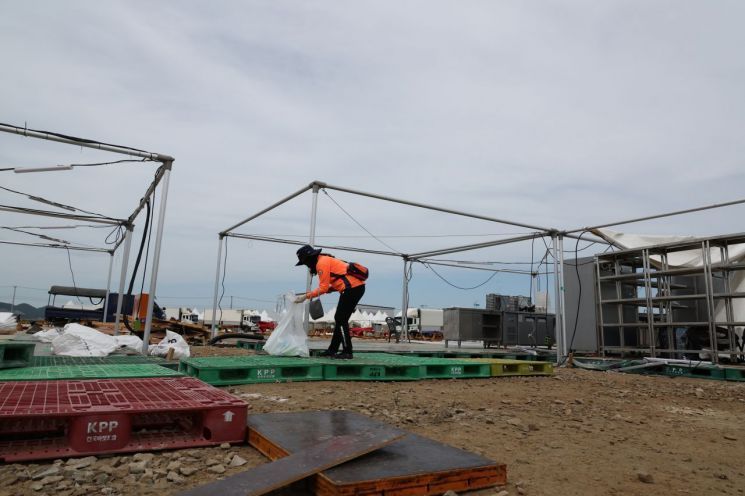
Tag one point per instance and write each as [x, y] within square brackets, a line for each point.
[578, 433]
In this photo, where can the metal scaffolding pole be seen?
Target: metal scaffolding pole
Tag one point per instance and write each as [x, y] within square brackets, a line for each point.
[217, 285]
[557, 299]
[108, 287]
[476, 246]
[404, 334]
[562, 303]
[301, 243]
[430, 207]
[122, 278]
[156, 257]
[60, 247]
[311, 241]
[70, 140]
[659, 216]
[267, 209]
[62, 215]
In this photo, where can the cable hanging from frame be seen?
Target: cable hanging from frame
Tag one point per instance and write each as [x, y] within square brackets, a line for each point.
[361, 226]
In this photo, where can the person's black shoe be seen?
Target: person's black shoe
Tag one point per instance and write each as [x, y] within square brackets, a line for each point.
[343, 356]
[327, 354]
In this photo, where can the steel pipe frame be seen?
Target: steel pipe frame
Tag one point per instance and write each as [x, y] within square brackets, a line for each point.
[163, 174]
[122, 279]
[156, 257]
[430, 207]
[61, 247]
[108, 286]
[84, 143]
[316, 185]
[311, 241]
[62, 215]
[404, 334]
[658, 216]
[300, 243]
[477, 246]
[217, 285]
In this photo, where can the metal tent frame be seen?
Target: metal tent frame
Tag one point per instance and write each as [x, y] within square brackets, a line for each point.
[162, 176]
[408, 258]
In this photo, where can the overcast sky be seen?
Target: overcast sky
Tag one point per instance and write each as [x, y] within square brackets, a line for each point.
[556, 114]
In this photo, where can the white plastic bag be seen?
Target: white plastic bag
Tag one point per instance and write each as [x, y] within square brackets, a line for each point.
[289, 338]
[172, 340]
[130, 342]
[82, 341]
[48, 335]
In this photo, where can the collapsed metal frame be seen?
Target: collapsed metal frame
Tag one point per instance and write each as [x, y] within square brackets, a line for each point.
[162, 176]
[408, 259]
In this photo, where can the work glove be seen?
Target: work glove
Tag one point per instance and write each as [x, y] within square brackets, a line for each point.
[300, 298]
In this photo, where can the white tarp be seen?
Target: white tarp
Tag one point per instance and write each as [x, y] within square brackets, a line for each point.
[687, 258]
[7, 321]
[81, 341]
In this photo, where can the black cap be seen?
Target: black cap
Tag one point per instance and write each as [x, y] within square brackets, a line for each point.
[305, 252]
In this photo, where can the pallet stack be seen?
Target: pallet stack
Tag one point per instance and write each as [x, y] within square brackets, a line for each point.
[56, 406]
[224, 371]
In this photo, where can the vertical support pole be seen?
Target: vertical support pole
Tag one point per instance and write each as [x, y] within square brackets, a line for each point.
[156, 257]
[123, 277]
[652, 335]
[557, 301]
[709, 278]
[311, 241]
[217, 285]
[600, 320]
[13, 302]
[108, 287]
[562, 302]
[404, 304]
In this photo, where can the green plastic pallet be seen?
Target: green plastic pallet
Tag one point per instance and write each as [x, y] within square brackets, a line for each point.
[54, 372]
[45, 361]
[507, 368]
[225, 371]
[690, 371]
[454, 368]
[372, 367]
[734, 373]
[15, 354]
[250, 345]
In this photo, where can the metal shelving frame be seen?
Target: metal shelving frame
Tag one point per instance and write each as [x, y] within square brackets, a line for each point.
[648, 273]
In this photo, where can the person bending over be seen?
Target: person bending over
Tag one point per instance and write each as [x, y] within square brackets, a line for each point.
[335, 275]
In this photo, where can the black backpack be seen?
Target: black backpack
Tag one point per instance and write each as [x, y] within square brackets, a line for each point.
[359, 271]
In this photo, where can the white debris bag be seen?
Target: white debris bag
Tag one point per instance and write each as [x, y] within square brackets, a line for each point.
[48, 335]
[82, 341]
[172, 340]
[289, 338]
[129, 342]
[8, 321]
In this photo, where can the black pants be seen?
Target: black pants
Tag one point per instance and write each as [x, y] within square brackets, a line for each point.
[347, 303]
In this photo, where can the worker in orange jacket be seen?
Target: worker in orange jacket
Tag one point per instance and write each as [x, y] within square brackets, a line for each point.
[335, 275]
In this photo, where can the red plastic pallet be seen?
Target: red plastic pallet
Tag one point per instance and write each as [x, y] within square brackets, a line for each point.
[53, 419]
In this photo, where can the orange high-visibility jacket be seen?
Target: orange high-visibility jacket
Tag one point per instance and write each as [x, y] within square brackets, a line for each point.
[332, 276]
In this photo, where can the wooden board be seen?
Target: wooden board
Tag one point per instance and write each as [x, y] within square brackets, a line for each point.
[278, 474]
[411, 465]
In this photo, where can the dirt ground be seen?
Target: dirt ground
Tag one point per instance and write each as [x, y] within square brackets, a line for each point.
[577, 433]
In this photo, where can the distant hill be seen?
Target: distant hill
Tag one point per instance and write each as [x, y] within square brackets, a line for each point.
[27, 311]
